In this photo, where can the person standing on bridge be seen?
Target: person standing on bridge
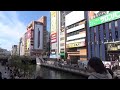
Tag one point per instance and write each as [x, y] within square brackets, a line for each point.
[97, 69]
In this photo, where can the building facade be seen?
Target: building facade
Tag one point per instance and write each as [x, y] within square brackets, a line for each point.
[68, 34]
[25, 44]
[103, 34]
[62, 36]
[36, 37]
[22, 46]
[75, 26]
[54, 34]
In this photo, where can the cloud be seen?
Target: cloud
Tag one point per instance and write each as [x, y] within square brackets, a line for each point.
[11, 29]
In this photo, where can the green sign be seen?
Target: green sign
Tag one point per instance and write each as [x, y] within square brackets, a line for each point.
[105, 18]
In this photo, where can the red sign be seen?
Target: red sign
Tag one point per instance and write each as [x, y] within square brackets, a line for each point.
[53, 38]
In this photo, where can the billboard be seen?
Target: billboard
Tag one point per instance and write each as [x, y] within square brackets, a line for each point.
[76, 44]
[73, 17]
[53, 26]
[100, 17]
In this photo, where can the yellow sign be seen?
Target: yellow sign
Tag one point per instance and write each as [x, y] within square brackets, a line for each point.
[28, 43]
[53, 21]
[77, 44]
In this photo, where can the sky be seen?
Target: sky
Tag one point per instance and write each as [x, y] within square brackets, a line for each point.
[13, 25]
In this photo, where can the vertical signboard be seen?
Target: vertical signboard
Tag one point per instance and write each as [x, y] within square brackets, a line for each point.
[53, 26]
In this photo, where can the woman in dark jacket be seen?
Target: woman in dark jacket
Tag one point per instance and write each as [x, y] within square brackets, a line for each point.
[97, 69]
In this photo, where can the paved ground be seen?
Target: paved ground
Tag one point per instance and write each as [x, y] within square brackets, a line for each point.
[3, 70]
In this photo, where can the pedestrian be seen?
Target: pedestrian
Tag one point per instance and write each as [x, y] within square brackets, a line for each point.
[97, 69]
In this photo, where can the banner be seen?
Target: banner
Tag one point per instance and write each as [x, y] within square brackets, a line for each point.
[108, 16]
[76, 44]
[53, 26]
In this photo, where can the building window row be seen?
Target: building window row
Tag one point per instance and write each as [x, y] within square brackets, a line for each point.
[104, 33]
[75, 24]
[75, 32]
[76, 39]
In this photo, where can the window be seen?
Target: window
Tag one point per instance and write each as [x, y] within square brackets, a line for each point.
[75, 24]
[75, 32]
[38, 38]
[109, 25]
[116, 23]
[110, 36]
[116, 34]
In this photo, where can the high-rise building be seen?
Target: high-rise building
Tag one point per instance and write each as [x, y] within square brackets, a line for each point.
[36, 36]
[76, 35]
[62, 34]
[103, 34]
[72, 35]
[25, 44]
[22, 46]
[54, 34]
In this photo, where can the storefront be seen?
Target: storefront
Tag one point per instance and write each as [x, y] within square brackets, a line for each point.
[77, 50]
[113, 51]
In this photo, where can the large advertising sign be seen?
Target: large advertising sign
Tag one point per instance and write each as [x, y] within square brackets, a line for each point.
[100, 17]
[76, 44]
[53, 26]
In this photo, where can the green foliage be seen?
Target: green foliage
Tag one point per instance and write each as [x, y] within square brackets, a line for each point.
[22, 63]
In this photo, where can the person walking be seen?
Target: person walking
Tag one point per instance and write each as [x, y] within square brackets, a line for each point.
[97, 69]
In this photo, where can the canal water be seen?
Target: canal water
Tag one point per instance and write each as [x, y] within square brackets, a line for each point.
[48, 73]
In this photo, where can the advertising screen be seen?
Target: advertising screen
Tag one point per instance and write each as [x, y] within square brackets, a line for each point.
[53, 26]
[100, 17]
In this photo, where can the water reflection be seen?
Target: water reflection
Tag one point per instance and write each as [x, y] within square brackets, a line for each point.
[47, 73]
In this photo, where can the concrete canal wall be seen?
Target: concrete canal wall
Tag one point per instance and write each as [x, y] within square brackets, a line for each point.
[70, 70]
